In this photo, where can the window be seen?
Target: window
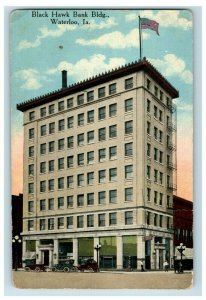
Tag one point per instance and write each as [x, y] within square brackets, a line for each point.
[43, 148]
[155, 197]
[113, 174]
[70, 201]
[43, 112]
[51, 184]
[112, 218]
[101, 220]
[31, 115]
[30, 206]
[43, 186]
[90, 137]
[128, 194]
[80, 200]
[60, 105]
[50, 223]
[112, 152]
[112, 131]
[61, 125]
[148, 105]
[61, 163]
[148, 150]
[128, 83]
[128, 105]
[80, 119]
[43, 204]
[155, 175]
[70, 103]
[43, 130]
[51, 127]
[113, 196]
[168, 222]
[102, 134]
[148, 172]
[43, 167]
[155, 154]
[148, 128]
[128, 217]
[102, 113]
[160, 136]
[30, 225]
[90, 116]
[90, 199]
[70, 161]
[31, 151]
[161, 157]
[148, 217]
[51, 109]
[31, 133]
[70, 122]
[102, 154]
[155, 133]
[155, 219]
[51, 165]
[80, 180]
[60, 223]
[90, 157]
[128, 127]
[90, 220]
[161, 199]
[155, 111]
[161, 178]
[51, 146]
[112, 88]
[101, 197]
[42, 224]
[31, 170]
[70, 142]
[168, 201]
[51, 204]
[80, 99]
[80, 139]
[160, 116]
[148, 84]
[128, 172]
[101, 92]
[90, 178]
[102, 176]
[61, 144]
[148, 194]
[80, 221]
[160, 221]
[90, 96]
[156, 91]
[69, 222]
[112, 110]
[161, 95]
[80, 159]
[60, 183]
[60, 202]
[70, 181]
[128, 149]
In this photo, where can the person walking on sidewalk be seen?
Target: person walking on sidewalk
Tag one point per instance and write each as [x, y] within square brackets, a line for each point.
[166, 266]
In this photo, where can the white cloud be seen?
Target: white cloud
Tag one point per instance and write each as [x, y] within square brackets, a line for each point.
[171, 65]
[102, 25]
[115, 40]
[85, 68]
[166, 18]
[181, 105]
[31, 78]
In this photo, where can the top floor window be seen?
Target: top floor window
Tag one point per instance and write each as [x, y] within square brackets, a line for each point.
[112, 88]
[70, 102]
[60, 105]
[51, 109]
[161, 95]
[31, 115]
[43, 111]
[80, 99]
[101, 92]
[148, 84]
[156, 91]
[129, 83]
[90, 96]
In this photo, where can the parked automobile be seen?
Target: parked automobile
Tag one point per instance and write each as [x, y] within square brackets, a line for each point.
[88, 265]
[31, 265]
[66, 266]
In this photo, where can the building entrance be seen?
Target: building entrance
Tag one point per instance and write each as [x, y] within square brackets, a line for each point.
[46, 257]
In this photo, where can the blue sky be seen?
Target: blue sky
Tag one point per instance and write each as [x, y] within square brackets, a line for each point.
[37, 59]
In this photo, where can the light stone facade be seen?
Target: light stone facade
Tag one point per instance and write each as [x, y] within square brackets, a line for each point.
[129, 228]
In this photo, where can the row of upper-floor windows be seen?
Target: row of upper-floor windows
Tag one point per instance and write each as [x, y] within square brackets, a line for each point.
[158, 92]
[81, 179]
[155, 219]
[81, 99]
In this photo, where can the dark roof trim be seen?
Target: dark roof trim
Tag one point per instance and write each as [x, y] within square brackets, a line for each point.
[141, 65]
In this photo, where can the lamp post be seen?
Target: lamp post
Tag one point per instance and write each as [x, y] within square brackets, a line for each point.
[16, 241]
[181, 248]
[97, 248]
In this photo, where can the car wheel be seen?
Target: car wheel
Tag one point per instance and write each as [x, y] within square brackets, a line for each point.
[54, 269]
[37, 269]
[90, 269]
[66, 269]
[27, 269]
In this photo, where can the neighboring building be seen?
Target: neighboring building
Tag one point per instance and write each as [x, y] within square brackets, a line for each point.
[17, 227]
[99, 165]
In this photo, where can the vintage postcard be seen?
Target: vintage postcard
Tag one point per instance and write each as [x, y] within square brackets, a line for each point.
[102, 139]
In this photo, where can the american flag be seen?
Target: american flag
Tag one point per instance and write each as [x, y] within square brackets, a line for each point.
[150, 24]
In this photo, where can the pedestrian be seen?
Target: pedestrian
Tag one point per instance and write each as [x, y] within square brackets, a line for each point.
[180, 267]
[142, 266]
[166, 266]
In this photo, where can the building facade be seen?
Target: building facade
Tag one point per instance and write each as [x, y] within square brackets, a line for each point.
[99, 170]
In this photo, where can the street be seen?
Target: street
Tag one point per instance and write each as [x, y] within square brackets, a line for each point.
[102, 280]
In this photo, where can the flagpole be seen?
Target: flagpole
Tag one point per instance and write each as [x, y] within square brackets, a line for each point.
[140, 40]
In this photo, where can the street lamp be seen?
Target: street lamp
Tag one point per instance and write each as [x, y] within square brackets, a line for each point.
[97, 248]
[181, 248]
[16, 241]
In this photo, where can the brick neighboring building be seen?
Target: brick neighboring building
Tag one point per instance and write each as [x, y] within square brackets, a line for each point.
[17, 227]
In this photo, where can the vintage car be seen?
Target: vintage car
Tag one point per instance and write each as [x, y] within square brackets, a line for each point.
[88, 265]
[31, 265]
[65, 266]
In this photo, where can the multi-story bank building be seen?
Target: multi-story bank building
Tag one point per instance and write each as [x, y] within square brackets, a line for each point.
[99, 161]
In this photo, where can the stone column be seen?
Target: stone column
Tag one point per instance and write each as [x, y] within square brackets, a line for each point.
[23, 252]
[51, 258]
[152, 254]
[75, 251]
[157, 259]
[96, 242]
[140, 251]
[55, 252]
[119, 253]
[38, 253]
